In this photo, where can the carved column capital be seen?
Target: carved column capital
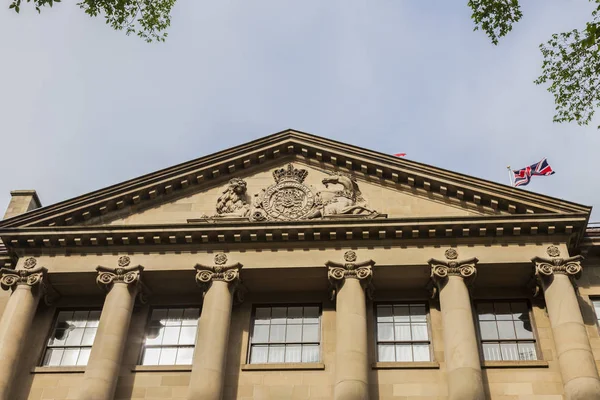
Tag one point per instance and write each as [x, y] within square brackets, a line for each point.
[441, 270]
[10, 278]
[350, 269]
[131, 276]
[546, 268]
[220, 271]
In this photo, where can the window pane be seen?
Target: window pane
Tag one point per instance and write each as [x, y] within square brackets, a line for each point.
[160, 315]
[310, 333]
[421, 352]
[311, 315]
[402, 332]
[74, 338]
[190, 316]
[64, 316]
[520, 310]
[93, 319]
[418, 313]
[277, 334]
[187, 335]
[506, 330]
[527, 351]
[84, 356]
[155, 333]
[58, 338]
[485, 311]
[488, 330]
[70, 357]
[184, 356]
[88, 336]
[386, 352]
[294, 333]
[171, 335]
[294, 315]
[276, 354]
[260, 334]
[491, 351]
[404, 352]
[401, 313]
[258, 354]
[151, 357]
[384, 314]
[597, 308]
[174, 317]
[310, 353]
[53, 357]
[79, 319]
[385, 331]
[419, 331]
[509, 351]
[502, 311]
[263, 316]
[524, 330]
[167, 356]
[278, 315]
[293, 353]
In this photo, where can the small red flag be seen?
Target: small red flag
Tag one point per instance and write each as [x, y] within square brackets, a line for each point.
[400, 154]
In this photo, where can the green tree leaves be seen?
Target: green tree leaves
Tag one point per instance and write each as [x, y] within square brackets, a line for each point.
[495, 17]
[148, 19]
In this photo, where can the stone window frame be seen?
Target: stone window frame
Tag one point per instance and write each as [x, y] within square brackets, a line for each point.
[52, 330]
[273, 365]
[140, 360]
[535, 340]
[428, 321]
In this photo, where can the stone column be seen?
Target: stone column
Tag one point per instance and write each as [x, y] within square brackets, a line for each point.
[575, 358]
[349, 281]
[28, 287]
[461, 348]
[102, 371]
[219, 283]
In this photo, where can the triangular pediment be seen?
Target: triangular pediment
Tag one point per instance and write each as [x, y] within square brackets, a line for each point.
[392, 188]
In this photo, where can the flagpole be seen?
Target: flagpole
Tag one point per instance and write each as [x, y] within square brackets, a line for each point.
[510, 176]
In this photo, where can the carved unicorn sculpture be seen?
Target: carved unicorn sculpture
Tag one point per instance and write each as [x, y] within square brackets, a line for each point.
[349, 200]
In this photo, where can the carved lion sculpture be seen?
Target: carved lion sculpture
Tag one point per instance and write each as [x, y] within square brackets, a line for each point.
[233, 200]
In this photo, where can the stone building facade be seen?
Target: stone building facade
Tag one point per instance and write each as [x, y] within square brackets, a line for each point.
[296, 267]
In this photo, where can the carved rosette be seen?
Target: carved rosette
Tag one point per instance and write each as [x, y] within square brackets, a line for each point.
[220, 271]
[363, 271]
[441, 270]
[546, 268]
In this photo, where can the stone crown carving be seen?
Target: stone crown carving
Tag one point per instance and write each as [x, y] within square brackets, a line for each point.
[107, 277]
[290, 199]
[220, 271]
[441, 270]
[338, 272]
[546, 267]
[36, 277]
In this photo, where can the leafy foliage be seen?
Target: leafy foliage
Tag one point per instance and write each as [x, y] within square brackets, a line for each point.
[495, 17]
[572, 68]
[148, 19]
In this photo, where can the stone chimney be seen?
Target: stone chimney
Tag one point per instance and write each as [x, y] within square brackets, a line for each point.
[22, 201]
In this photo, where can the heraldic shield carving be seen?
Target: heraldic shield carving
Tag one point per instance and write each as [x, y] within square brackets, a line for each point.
[290, 199]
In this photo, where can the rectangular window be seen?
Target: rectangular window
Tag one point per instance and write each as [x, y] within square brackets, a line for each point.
[286, 335]
[170, 336]
[506, 331]
[402, 333]
[72, 337]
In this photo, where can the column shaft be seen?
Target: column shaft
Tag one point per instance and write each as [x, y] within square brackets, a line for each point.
[102, 371]
[208, 368]
[461, 350]
[14, 327]
[351, 355]
[575, 358]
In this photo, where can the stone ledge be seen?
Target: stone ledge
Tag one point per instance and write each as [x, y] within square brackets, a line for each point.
[406, 365]
[515, 364]
[161, 368]
[58, 370]
[283, 366]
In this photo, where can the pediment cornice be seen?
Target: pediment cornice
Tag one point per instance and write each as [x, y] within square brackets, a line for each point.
[489, 197]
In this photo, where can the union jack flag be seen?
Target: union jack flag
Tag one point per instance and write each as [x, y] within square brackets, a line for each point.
[523, 175]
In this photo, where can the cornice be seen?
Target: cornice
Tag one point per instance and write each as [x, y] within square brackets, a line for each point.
[205, 171]
[473, 227]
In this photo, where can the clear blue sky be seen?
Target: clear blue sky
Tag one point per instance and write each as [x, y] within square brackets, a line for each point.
[83, 107]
